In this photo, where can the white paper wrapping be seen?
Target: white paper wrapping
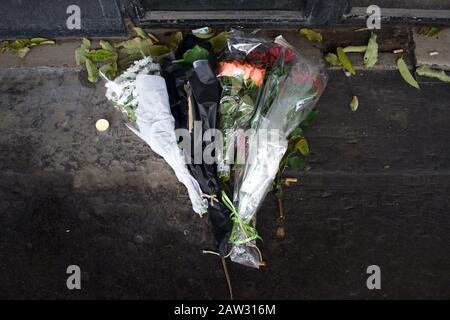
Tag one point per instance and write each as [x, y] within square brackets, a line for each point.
[157, 128]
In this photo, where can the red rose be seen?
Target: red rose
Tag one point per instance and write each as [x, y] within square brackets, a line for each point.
[274, 51]
[289, 55]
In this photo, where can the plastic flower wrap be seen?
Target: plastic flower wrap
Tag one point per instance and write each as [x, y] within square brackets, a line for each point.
[241, 71]
[290, 93]
[142, 94]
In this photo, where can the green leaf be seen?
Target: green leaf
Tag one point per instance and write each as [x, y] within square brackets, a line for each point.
[41, 41]
[175, 39]
[406, 75]
[80, 56]
[297, 132]
[427, 72]
[333, 59]
[136, 46]
[302, 146]
[107, 46]
[157, 50]
[219, 42]
[141, 33]
[345, 61]
[311, 35]
[22, 52]
[371, 55]
[194, 54]
[354, 103]
[19, 44]
[109, 70]
[85, 43]
[350, 49]
[278, 189]
[101, 55]
[310, 118]
[82, 51]
[433, 31]
[92, 71]
[297, 163]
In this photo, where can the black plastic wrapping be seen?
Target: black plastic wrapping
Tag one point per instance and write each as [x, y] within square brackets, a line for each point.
[204, 92]
[175, 76]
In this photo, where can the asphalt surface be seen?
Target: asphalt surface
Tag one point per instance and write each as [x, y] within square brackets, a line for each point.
[377, 194]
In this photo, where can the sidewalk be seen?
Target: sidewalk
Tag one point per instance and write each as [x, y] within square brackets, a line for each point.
[378, 192]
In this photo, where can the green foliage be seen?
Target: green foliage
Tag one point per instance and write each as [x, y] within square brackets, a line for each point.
[311, 35]
[371, 55]
[219, 42]
[310, 118]
[345, 61]
[21, 47]
[406, 75]
[297, 163]
[427, 72]
[92, 71]
[353, 49]
[354, 103]
[194, 54]
[333, 59]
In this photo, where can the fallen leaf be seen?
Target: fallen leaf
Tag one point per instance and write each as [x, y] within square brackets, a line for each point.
[80, 52]
[140, 33]
[406, 75]
[345, 61]
[302, 146]
[433, 31]
[22, 52]
[297, 132]
[219, 42]
[109, 70]
[194, 54]
[92, 71]
[333, 59]
[295, 162]
[311, 35]
[428, 72]
[371, 55]
[157, 50]
[18, 44]
[310, 118]
[101, 55]
[41, 41]
[107, 46]
[354, 103]
[136, 45]
[350, 49]
[175, 39]
[86, 43]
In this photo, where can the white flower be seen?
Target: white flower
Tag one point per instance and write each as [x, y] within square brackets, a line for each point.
[122, 91]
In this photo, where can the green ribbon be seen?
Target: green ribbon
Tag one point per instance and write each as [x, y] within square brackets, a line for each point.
[250, 232]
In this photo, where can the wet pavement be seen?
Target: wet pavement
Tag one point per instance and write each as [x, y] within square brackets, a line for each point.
[377, 194]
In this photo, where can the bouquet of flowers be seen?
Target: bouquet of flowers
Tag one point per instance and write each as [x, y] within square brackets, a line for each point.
[291, 90]
[261, 91]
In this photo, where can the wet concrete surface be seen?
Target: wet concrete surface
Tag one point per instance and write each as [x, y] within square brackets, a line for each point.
[377, 193]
